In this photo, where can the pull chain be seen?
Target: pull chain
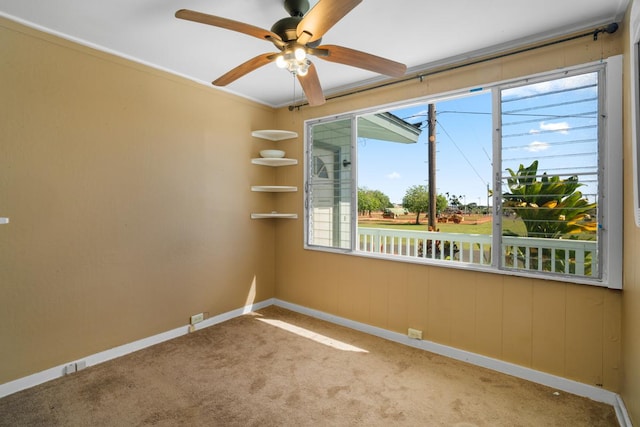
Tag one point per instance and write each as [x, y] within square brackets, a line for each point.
[293, 99]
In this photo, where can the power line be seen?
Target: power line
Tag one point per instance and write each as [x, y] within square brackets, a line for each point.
[588, 114]
[462, 153]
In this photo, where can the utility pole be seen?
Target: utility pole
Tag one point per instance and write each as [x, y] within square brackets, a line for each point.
[488, 196]
[431, 120]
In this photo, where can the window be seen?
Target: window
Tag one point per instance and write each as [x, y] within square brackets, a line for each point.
[549, 132]
[522, 177]
[329, 184]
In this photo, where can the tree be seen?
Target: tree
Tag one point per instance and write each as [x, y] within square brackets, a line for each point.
[382, 198]
[441, 203]
[416, 200]
[372, 200]
[366, 202]
[454, 200]
[550, 207]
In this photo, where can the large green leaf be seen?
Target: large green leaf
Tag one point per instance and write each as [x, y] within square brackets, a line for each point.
[549, 206]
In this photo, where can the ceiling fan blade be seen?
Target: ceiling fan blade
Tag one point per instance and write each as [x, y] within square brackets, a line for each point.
[245, 68]
[324, 15]
[216, 21]
[367, 61]
[311, 86]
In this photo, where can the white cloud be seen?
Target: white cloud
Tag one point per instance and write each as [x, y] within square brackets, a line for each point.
[562, 127]
[394, 175]
[536, 146]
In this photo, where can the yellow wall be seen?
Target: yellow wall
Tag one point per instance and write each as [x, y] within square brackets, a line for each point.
[564, 329]
[631, 300]
[128, 192]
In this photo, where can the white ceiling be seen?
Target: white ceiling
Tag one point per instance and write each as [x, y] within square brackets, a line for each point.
[418, 33]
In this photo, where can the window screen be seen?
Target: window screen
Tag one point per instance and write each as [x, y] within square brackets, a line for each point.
[550, 185]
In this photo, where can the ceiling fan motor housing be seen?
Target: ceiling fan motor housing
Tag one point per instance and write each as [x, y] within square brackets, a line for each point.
[286, 28]
[296, 7]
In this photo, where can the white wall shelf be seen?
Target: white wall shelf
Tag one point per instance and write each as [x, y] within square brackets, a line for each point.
[274, 215]
[274, 162]
[274, 135]
[274, 188]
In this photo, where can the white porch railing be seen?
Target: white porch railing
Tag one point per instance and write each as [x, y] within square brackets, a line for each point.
[473, 248]
[575, 257]
[572, 257]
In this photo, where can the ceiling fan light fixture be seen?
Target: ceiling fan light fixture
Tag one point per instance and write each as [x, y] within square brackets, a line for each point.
[295, 61]
[300, 54]
[303, 68]
[281, 62]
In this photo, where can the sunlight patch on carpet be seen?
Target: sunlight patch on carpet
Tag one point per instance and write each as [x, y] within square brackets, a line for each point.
[305, 333]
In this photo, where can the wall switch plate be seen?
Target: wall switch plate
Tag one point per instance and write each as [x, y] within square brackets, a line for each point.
[197, 318]
[415, 333]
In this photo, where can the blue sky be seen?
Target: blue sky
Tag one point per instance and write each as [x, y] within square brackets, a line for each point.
[554, 122]
[463, 156]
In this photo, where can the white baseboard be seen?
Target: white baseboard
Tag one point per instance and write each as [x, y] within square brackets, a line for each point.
[553, 381]
[94, 359]
[621, 413]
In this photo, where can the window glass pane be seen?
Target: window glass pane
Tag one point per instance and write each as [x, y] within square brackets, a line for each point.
[330, 184]
[550, 176]
[398, 166]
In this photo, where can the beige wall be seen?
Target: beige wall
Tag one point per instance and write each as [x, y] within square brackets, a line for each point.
[631, 300]
[563, 329]
[128, 194]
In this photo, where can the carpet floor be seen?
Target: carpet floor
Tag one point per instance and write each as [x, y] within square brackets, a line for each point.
[275, 367]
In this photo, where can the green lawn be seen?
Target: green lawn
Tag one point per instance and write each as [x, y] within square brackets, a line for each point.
[514, 225]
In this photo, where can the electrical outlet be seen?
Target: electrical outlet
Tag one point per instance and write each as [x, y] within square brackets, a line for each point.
[197, 318]
[70, 368]
[415, 333]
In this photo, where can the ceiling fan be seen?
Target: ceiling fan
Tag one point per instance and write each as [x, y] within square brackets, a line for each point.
[297, 37]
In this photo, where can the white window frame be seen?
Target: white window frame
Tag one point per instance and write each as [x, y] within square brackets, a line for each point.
[634, 77]
[610, 154]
